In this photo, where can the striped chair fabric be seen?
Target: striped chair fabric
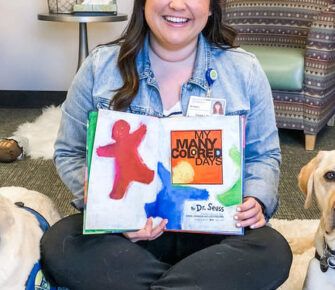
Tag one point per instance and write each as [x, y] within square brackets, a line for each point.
[307, 24]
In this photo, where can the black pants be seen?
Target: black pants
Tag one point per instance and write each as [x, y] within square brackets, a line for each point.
[260, 259]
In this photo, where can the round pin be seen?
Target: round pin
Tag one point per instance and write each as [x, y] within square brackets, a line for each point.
[211, 76]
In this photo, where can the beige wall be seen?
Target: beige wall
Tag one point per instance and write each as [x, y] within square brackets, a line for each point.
[42, 55]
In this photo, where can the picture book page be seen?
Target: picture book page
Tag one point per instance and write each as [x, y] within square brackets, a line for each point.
[188, 170]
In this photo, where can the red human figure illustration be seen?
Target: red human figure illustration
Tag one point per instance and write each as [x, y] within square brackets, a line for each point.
[129, 166]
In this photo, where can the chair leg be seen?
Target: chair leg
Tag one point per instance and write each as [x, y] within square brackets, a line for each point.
[310, 142]
[331, 122]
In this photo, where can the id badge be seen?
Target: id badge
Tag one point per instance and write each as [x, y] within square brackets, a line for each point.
[200, 106]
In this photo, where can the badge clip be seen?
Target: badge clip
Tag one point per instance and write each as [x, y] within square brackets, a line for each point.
[211, 76]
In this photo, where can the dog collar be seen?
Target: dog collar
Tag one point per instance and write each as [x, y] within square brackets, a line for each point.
[42, 221]
[327, 260]
[36, 278]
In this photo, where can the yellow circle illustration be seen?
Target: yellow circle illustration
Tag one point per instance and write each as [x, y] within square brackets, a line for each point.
[182, 173]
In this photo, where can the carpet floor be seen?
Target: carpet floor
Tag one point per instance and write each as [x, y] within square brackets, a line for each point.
[34, 174]
[41, 175]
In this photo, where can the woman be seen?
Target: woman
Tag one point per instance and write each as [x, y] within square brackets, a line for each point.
[217, 108]
[159, 62]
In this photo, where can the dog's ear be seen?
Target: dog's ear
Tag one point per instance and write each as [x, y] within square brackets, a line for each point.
[305, 178]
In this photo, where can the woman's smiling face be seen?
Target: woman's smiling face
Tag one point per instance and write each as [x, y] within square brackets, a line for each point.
[175, 24]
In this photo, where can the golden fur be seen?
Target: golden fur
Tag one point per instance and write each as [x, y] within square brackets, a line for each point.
[20, 234]
[318, 176]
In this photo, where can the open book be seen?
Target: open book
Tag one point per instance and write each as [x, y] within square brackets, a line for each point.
[188, 170]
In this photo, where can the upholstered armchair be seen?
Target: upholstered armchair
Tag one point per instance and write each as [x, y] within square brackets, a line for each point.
[294, 41]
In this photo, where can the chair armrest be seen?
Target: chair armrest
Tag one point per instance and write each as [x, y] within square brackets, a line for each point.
[320, 55]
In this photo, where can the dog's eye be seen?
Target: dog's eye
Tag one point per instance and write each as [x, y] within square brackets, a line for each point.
[330, 176]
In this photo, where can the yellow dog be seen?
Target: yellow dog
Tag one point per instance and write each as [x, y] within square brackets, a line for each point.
[318, 176]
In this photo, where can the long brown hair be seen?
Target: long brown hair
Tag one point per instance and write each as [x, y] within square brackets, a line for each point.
[132, 40]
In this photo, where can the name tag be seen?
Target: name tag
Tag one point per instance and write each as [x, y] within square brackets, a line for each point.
[199, 106]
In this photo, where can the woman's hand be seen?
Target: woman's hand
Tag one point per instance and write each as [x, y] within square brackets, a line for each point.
[147, 233]
[250, 214]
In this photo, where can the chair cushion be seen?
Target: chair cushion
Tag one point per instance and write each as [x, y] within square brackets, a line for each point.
[284, 67]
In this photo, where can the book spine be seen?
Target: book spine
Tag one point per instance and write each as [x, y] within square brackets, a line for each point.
[90, 134]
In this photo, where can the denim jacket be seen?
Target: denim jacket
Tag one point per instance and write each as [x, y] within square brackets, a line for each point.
[240, 81]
